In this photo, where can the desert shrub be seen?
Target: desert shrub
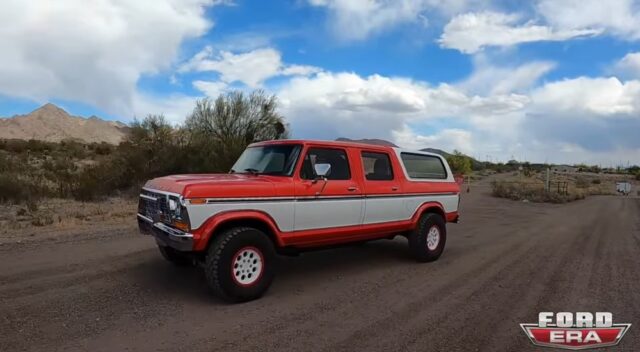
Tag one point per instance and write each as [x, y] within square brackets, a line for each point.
[459, 163]
[17, 190]
[14, 145]
[531, 192]
[89, 185]
[43, 220]
[6, 163]
[101, 148]
[596, 181]
[582, 182]
[74, 149]
[150, 150]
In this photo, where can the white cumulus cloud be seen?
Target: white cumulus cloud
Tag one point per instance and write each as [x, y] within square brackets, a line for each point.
[330, 105]
[471, 32]
[446, 139]
[210, 88]
[572, 120]
[618, 17]
[92, 52]
[629, 65]
[493, 78]
[251, 68]
[174, 107]
[359, 19]
[599, 96]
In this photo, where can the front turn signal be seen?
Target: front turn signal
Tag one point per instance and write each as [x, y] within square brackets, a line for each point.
[181, 225]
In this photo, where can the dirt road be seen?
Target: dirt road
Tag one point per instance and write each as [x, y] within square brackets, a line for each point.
[505, 262]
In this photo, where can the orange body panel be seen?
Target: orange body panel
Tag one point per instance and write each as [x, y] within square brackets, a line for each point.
[244, 185]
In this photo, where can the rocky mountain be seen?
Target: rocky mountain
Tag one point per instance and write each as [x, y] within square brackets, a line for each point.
[52, 124]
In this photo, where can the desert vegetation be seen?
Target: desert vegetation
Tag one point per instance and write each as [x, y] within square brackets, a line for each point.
[459, 163]
[210, 140]
[530, 186]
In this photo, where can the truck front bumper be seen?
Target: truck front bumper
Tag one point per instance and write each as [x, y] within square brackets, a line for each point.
[165, 235]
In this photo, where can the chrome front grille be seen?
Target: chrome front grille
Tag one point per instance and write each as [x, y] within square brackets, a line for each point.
[155, 206]
[152, 205]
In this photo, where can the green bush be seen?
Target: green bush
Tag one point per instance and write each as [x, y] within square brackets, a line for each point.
[459, 163]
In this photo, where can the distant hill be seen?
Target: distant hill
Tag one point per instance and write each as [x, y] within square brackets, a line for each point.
[52, 124]
[436, 151]
[475, 164]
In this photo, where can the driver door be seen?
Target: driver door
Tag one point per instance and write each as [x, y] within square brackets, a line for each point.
[334, 202]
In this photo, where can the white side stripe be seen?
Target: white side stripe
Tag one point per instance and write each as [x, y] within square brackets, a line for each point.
[314, 213]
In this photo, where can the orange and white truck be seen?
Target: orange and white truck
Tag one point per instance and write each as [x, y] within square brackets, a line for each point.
[289, 196]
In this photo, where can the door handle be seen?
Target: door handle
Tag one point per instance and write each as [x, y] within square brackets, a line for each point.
[394, 188]
[352, 189]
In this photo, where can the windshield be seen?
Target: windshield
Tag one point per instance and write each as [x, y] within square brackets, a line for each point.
[278, 160]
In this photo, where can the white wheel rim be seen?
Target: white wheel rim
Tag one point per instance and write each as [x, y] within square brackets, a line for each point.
[433, 238]
[247, 266]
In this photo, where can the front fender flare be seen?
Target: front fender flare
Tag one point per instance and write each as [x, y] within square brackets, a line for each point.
[203, 234]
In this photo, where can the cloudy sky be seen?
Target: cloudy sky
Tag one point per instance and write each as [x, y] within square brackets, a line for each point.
[545, 80]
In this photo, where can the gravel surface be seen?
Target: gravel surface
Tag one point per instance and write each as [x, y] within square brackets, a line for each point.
[110, 290]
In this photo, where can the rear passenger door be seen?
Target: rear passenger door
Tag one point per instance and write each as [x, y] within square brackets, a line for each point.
[336, 203]
[382, 188]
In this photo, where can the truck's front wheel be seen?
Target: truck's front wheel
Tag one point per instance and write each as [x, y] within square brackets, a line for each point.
[239, 264]
[427, 240]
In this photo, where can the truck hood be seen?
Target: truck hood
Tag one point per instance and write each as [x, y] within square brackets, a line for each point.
[215, 185]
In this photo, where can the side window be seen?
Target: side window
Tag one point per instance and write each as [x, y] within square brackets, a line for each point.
[337, 158]
[423, 166]
[377, 166]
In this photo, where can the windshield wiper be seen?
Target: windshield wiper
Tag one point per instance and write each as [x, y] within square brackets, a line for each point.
[252, 171]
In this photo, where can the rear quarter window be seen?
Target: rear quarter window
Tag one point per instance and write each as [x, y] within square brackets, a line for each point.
[423, 166]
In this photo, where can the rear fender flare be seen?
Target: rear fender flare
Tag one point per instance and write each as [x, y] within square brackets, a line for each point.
[428, 207]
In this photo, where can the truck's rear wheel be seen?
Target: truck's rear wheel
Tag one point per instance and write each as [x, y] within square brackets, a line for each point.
[427, 240]
[174, 257]
[239, 264]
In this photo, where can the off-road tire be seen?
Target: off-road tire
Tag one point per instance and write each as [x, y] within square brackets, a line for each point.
[175, 257]
[418, 238]
[221, 268]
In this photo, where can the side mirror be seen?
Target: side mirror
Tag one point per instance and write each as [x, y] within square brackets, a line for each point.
[322, 170]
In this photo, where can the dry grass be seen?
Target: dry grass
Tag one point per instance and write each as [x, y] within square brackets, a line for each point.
[54, 214]
[532, 192]
[531, 188]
